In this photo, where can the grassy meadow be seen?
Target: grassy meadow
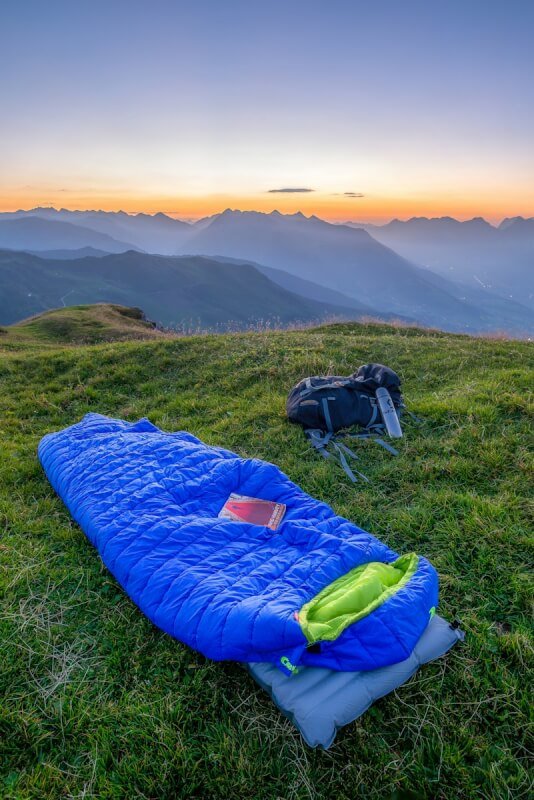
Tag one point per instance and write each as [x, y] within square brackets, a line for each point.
[97, 703]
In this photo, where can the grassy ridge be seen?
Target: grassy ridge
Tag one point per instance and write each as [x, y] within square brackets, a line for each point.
[93, 324]
[98, 703]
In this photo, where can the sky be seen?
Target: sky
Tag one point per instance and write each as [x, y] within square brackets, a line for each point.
[369, 110]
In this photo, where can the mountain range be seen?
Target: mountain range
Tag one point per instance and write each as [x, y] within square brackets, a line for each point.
[185, 292]
[37, 233]
[473, 252]
[345, 269]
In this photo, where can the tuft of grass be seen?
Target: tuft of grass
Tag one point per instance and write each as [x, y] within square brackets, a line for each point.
[97, 703]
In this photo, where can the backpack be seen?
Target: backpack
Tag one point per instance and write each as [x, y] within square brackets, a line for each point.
[326, 405]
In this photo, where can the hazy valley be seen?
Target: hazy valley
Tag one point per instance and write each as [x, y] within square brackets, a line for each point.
[237, 268]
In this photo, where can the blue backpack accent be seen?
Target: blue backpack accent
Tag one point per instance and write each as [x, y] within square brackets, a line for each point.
[149, 502]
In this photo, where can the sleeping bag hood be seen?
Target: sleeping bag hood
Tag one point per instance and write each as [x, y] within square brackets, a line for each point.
[318, 591]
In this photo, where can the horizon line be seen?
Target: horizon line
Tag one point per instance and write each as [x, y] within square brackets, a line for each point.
[192, 218]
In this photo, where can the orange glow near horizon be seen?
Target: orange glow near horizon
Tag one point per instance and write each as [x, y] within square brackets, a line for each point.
[329, 206]
[425, 111]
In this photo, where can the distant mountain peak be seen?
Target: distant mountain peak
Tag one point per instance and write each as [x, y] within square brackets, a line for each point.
[478, 222]
[435, 222]
[509, 221]
[43, 210]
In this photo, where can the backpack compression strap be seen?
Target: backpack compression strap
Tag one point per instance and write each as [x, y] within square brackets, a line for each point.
[374, 428]
[374, 437]
[320, 442]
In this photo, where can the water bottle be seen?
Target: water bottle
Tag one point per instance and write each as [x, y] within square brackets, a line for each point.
[388, 412]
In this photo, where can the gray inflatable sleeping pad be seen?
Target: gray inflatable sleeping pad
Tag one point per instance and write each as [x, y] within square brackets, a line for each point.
[321, 701]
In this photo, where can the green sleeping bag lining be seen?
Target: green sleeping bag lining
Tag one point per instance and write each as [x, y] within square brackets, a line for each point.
[353, 596]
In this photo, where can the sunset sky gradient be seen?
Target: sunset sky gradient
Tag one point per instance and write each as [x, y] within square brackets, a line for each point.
[188, 108]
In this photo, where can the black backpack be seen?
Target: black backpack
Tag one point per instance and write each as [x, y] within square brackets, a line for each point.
[326, 405]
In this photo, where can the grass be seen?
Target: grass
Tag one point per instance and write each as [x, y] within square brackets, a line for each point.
[97, 703]
[84, 324]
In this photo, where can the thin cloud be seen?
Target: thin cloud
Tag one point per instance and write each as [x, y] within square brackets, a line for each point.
[87, 190]
[290, 190]
[348, 194]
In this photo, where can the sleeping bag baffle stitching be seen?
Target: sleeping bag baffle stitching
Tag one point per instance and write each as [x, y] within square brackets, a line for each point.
[149, 502]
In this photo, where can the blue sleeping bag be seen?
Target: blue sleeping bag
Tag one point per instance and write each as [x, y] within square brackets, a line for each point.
[318, 591]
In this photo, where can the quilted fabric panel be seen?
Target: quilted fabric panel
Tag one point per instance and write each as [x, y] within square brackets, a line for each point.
[149, 500]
